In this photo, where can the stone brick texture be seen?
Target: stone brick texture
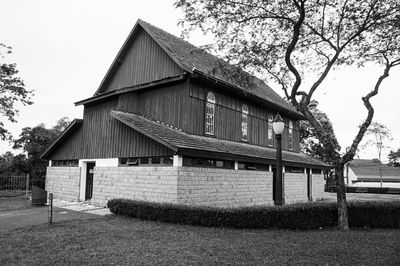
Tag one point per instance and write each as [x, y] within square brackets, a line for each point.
[153, 184]
[63, 182]
[318, 186]
[223, 187]
[295, 188]
[191, 186]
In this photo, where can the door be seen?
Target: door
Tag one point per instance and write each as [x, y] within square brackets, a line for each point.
[89, 180]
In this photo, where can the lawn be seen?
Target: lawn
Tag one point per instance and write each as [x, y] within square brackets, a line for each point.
[11, 200]
[116, 240]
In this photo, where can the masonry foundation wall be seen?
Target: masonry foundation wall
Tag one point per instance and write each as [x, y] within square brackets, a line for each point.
[63, 182]
[295, 188]
[223, 187]
[318, 187]
[153, 184]
[181, 185]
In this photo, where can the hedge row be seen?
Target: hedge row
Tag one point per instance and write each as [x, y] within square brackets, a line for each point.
[297, 216]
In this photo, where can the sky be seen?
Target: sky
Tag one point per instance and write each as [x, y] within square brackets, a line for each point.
[64, 48]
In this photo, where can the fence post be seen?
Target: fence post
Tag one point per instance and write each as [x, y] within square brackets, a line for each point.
[50, 208]
[27, 186]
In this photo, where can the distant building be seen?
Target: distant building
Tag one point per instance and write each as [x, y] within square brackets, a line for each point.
[371, 173]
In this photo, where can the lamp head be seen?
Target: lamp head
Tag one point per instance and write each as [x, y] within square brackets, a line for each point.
[278, 125]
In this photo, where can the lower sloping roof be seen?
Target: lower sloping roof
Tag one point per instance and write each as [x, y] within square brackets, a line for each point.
[71, 128]
[180, 141]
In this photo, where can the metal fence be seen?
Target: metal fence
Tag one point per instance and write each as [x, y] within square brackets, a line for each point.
[14, 182]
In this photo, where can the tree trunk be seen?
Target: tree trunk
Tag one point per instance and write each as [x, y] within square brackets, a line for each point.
[343, 222]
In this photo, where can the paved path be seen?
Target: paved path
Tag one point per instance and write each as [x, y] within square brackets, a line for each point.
[38, 215]
[62, 211]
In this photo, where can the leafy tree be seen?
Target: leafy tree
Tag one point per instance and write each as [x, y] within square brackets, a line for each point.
[12, 91]
[309, 142]
[35, 141]
[11, 164]
[299, 42]
[394, 158]
[377, 134]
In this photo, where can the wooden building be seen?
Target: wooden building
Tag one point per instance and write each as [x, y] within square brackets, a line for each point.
[173, 123]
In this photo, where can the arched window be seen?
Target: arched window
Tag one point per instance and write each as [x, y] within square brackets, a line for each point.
[245, 114]
[270, 131]
[290, 135]
[210, 111]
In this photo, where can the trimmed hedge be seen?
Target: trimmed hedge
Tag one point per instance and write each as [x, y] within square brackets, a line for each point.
[297, 216]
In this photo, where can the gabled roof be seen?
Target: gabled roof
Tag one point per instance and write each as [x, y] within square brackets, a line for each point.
[71, 128]
[372, 170]
[178, 140]
[197, 61]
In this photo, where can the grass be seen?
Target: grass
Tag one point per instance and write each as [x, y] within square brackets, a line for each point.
[10, 200]
[116, 240]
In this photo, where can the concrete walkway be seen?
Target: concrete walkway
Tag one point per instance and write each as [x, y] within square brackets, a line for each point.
[36, 215]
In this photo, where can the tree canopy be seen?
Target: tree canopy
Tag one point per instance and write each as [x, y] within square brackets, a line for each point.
[377, 135]
[298, 43]
[12, 91]
[309, 142]
[35, 141]
[394, 158]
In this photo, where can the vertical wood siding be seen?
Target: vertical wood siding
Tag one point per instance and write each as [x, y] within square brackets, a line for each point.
[144, 62]
[102, 136]
[228, 118]
[169, 104]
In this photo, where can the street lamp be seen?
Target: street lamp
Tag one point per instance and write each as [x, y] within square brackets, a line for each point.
[278, 126]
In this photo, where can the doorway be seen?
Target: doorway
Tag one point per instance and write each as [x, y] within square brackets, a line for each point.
[89, 180]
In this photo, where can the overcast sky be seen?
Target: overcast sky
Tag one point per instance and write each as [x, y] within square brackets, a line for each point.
[64, 48]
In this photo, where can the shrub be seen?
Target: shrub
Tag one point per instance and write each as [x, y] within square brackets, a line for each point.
[298, 216]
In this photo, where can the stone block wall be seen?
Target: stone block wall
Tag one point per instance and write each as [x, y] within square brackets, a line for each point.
[224, 187]
[153, 184]
[63, 182]
[295, 188]
[318, 186]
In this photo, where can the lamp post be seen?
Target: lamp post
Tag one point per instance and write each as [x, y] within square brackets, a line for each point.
[278, 126]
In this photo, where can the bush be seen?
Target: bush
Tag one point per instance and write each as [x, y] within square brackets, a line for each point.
[298, 216]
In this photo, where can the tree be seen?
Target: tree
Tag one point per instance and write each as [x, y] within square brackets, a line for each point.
[12, 91]
[11, 164]
[394, 158]
[35, 141]
[299, 42]
[309, 142]
[377, 134]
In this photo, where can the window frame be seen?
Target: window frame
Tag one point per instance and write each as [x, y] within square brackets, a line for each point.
[245, 123]
[290, 135]
[270, 131]
[209, 123]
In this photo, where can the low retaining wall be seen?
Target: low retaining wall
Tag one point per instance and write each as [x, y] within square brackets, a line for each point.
[224, 187]
[63, 182]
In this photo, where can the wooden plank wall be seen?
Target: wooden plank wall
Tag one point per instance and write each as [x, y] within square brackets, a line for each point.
[144, 62]
[169, 104]
[102, 136]
[228, 118]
